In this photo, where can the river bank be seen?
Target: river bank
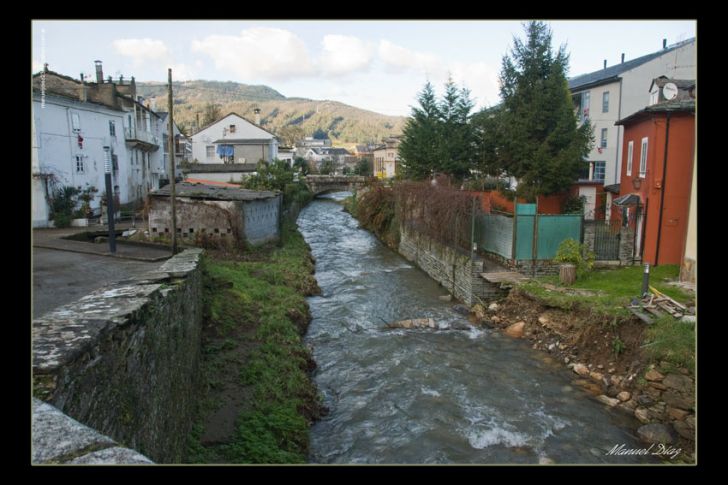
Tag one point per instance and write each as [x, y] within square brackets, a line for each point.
[259, 400]
[605, 352]
[606, 355]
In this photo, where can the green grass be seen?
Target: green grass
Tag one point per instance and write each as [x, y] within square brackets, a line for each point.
[267, 298]
[671, 341]
[615, 287]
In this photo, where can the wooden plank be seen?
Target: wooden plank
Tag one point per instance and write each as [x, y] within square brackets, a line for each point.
[679, 305]
[654, 311]
[641, 315]
[503, 277]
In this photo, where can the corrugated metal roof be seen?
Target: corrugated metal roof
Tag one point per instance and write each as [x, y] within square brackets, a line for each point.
[213, 192]
[612, 73]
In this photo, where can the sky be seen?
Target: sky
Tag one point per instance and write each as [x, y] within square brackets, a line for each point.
[375, 65]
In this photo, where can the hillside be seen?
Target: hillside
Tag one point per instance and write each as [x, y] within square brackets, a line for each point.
[343, 123]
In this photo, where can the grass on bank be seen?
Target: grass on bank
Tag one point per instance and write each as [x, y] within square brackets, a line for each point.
[667, 339]
[259, 314]
[613, 288]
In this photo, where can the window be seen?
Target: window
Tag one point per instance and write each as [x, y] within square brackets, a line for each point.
[630, 153]
[79, 164]
[584, 171]
[115, 162]
[210, 151]
[599, 171]
[585, 100]
[75, 122]
[643, 158]
[605, 102]
[603, 143]
[112, 129]
[232, 128]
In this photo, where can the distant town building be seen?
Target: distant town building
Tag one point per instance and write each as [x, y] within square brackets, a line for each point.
[287, 154]
[616, 92]
[216, 211]
[386, 157]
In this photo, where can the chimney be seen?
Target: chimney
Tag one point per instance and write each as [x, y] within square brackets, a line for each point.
[605, 63]
[99, 72]
[257, 116]
[622, 57]
[664, 43]
[82, 95]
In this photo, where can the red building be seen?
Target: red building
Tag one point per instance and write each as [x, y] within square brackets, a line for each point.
[657, 171]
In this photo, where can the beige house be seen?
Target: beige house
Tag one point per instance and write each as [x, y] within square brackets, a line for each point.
[386, 158]
[615, 92]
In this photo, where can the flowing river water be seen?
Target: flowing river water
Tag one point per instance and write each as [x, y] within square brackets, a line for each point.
[432, 396]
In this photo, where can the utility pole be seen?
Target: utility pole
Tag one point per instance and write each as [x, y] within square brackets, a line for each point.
[171, 166]
[109, 200]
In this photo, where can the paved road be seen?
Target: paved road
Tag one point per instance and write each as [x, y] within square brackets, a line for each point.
[61, 277]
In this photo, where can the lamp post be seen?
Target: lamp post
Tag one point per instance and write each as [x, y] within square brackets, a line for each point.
[109, 200]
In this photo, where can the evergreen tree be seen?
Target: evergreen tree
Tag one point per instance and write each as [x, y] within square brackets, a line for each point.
[457, 141]
[537, 139]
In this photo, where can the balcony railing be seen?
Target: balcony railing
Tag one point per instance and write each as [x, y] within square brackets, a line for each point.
[141, 136]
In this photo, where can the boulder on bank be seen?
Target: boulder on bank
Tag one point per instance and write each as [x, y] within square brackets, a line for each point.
[516, 330]
[414, 323]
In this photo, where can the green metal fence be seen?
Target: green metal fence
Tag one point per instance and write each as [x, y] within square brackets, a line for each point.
[515, 238]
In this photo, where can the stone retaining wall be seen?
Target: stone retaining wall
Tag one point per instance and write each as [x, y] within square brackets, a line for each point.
[124, 360]
[453, 270]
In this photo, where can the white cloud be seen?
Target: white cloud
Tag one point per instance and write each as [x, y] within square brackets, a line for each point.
[183, 72]
[343, 54]
[142, 50]
[480, 78]
[259, 52]
[400, 59]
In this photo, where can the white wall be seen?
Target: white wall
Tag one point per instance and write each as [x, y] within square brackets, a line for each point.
[58, 144]
[243, 130]
[38, 195]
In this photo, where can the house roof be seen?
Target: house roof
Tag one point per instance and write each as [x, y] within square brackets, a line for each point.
[233, 113]
[242, 141]
[221, 168]
[614, 188]
[212, 192]
[629, 199]
[212, 182]
[675, 105]
[610, 74]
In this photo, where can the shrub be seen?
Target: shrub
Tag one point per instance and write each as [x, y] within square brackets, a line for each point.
[570, 251]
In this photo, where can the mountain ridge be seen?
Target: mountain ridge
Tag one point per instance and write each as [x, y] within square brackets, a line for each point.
[343, 123]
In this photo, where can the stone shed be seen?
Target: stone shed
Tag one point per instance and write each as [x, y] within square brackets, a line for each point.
[215, 211]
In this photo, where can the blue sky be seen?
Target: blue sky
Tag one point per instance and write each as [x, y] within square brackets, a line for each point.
[375, 65]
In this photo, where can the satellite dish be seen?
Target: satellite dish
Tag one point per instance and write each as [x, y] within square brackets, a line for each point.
[669, 91]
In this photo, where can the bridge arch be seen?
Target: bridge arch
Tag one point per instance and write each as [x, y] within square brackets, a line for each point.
[321, 184]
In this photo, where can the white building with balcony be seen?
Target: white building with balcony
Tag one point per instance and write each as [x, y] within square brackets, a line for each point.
[74, 121]
[615, 92]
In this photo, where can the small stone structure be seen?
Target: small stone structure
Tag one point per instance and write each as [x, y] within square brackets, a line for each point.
[217, 212]
[124, 360]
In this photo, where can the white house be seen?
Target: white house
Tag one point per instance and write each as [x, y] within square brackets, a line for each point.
[75, 122]
[233, 139]
[615, 92]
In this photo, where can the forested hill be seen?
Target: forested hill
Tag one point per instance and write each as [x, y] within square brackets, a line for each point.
[343, 123]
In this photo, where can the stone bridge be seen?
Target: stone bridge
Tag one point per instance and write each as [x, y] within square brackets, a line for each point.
[319, 184]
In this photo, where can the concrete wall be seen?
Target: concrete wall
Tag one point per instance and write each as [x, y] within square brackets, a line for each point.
[261, 223]
[252, 153]
[220, 177]
[451, 269]
[124, 360]
[59, 439]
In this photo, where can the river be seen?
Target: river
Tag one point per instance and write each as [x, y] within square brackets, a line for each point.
[432, 396]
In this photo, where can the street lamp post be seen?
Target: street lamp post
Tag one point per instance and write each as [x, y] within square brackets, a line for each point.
[109, 200]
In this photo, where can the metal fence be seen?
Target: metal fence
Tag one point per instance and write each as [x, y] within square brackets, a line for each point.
[527, 235]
